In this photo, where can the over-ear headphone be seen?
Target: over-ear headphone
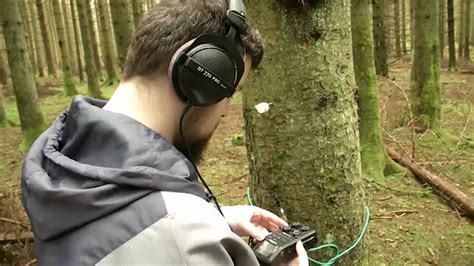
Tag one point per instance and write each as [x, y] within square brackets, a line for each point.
[210, 68]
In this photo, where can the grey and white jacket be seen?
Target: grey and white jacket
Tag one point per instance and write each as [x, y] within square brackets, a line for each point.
[102, 189]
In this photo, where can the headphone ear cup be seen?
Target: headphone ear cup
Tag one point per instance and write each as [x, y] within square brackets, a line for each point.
[173, 73]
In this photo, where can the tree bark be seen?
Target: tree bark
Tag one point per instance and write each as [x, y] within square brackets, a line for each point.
[404, 27]
[396, 17]
[79, 41]
[3, 82]
[380, 45]
[4, 71]
[46, 38]
[374, 159]
[137, 11]
[315, 101]
[29, 36]
[122, 20]
[426, 96]
[3, 113]
[412, 26]
[39, 44]
[71, 40]
[467, 24]
[442, 26]
[91, 71]
[452, 192]
[91, 10]
[69, 88]
[24, 86]
[451, 36]
[461, 28]
[106, 37]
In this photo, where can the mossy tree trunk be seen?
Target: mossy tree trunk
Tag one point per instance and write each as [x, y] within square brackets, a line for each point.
[46, 35]
[426, 91]
[442, 26]
[79, 41]
[69, 88]
[38, 39]
[71, 40]
[295, 150]
[91, 10]
[3, 82]
[122, 20]
[106, 37]
[24, 86]
[451, 36]
[93, 88]
[467, 25]
[137, 11]
[380, 45]
[4, 71]
[461, 28]
[374, 159]
[404, 27]
[396, 18]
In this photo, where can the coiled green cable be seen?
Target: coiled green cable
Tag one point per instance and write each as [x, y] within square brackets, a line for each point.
[335, 247]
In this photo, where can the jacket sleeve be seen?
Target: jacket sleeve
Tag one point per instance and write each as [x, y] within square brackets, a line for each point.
[193, 233]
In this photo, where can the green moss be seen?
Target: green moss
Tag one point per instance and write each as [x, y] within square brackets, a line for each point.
[29, 135]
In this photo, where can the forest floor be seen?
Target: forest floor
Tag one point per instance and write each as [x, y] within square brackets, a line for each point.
[409, 224]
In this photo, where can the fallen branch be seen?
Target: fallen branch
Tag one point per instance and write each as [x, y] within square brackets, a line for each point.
[452, 192]
[6, 238]
[2, 219]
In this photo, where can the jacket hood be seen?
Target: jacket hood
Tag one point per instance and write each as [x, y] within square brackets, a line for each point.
[92, 162]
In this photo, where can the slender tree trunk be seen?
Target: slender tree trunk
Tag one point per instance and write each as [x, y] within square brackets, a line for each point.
[426, 98]
[471, 35]
[461, 29]
[442, 26]
[137, 11]
[46, 38]
[77, 34]
[316, 103]
[91, 10]
[3, 81]
[24, 86]
[374, 159]
[92, 81]
[404, 27]
[467, 30]
[451, 37]
[38, 39]
[107, 45]
[69, 88]
[71, 40]
[29, 37]
[396, 17]
[52, 29]
[412, 26]
[381, 65]
[3, 113]
[122, 20]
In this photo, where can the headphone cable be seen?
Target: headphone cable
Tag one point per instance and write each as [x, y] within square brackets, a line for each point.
[189, 156]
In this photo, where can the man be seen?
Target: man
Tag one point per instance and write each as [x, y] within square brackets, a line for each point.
[109, 182]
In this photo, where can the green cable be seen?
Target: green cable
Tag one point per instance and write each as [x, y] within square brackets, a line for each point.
[335, 247]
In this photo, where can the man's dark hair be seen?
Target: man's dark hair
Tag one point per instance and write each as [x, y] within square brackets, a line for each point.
[171, 24]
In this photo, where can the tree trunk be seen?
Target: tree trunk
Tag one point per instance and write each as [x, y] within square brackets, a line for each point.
[91, 71]
[467, 24]
[137, 11]
[107, 45]
[91, 10]
[52, 29]
[79, 41]
[451, 37]
[412, 26]
[24, 86]
[29, 37]
[122, 20]
[46, 38]
[4, 69]
[461, 29]
[3, 82]
[3, 113]
[69, 88]
[396, 17]
[426, 98]
[442, 26]
[374, 159]
[71, 40]
[315, 101]
[404, 27]
[381, 65]
[38, 39]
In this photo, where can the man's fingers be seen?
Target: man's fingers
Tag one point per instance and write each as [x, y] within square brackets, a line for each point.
[267, 216]
[302, 255]
[257, 232]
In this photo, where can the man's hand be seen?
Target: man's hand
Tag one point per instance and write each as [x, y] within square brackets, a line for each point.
[252, 221]
[301, 259]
